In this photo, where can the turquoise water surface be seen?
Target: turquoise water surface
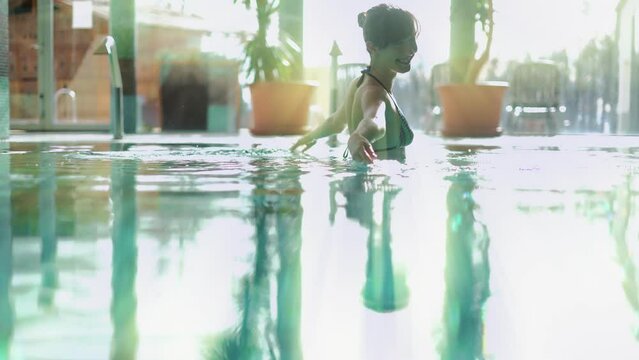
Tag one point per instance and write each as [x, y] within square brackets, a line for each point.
[174, 247]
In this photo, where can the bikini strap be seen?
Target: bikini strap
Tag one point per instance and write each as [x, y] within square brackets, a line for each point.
[402, 118]
[367, 71]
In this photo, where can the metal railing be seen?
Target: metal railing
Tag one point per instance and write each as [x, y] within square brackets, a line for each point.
[109, 48]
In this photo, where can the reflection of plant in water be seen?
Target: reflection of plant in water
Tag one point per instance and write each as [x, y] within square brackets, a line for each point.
[244, 342]
[594, 204]
[260, 334]
[619, 228]
[253, 336]
[466, 275]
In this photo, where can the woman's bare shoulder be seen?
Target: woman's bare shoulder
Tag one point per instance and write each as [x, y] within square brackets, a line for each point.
[371, 93]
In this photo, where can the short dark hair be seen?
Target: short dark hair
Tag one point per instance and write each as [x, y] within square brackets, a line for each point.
[385, 24]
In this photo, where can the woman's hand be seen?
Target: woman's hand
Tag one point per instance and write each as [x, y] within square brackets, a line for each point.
[361, 149]
[307, 141]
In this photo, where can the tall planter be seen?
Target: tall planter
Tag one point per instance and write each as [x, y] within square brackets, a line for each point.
[472, 110]
[281, 108]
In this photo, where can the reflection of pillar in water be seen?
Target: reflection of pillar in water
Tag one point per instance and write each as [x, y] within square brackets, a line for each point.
[385, 289]
[47, 225]
[124, 262]
[289, 279]
[466, 274]
[6, 254]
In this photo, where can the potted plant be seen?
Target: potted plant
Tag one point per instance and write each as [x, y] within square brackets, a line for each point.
[469, 108]
[280, 106]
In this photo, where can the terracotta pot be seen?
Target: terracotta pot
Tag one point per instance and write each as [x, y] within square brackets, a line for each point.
[281, 108]
[472, 110]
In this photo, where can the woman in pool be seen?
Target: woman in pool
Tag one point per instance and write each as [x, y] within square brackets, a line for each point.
[375, 122]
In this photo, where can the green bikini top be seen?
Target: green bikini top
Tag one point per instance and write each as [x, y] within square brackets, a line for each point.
[405, 133]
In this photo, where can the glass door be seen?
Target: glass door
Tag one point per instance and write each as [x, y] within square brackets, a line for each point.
[80, 87]
[23, 60]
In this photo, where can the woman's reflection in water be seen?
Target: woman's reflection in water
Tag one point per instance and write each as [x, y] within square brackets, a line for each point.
[369, 201]
[467, 266]
[267, 330]
[124, 262]
[6, 254]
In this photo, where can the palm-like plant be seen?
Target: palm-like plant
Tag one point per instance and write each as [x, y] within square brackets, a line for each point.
[264, 61]
[465, 15]
[470, 109]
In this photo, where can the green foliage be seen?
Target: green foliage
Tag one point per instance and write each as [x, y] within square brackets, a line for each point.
[264, 61]
[484, 15]
[465, 14]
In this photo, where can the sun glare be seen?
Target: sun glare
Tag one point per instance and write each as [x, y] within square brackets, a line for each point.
[522, 27]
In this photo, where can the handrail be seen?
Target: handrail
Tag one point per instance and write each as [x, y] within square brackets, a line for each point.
[109, 48]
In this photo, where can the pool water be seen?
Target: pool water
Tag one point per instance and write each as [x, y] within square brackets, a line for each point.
[171, 247]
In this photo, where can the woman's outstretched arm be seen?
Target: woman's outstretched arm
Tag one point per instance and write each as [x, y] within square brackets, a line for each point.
[372, 126]
[334, 124]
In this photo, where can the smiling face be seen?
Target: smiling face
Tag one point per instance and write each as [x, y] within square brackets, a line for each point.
[397, 56]
[390, 34]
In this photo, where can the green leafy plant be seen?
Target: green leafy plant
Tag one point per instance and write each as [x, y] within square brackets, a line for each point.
[264, 61]
[465, 15]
